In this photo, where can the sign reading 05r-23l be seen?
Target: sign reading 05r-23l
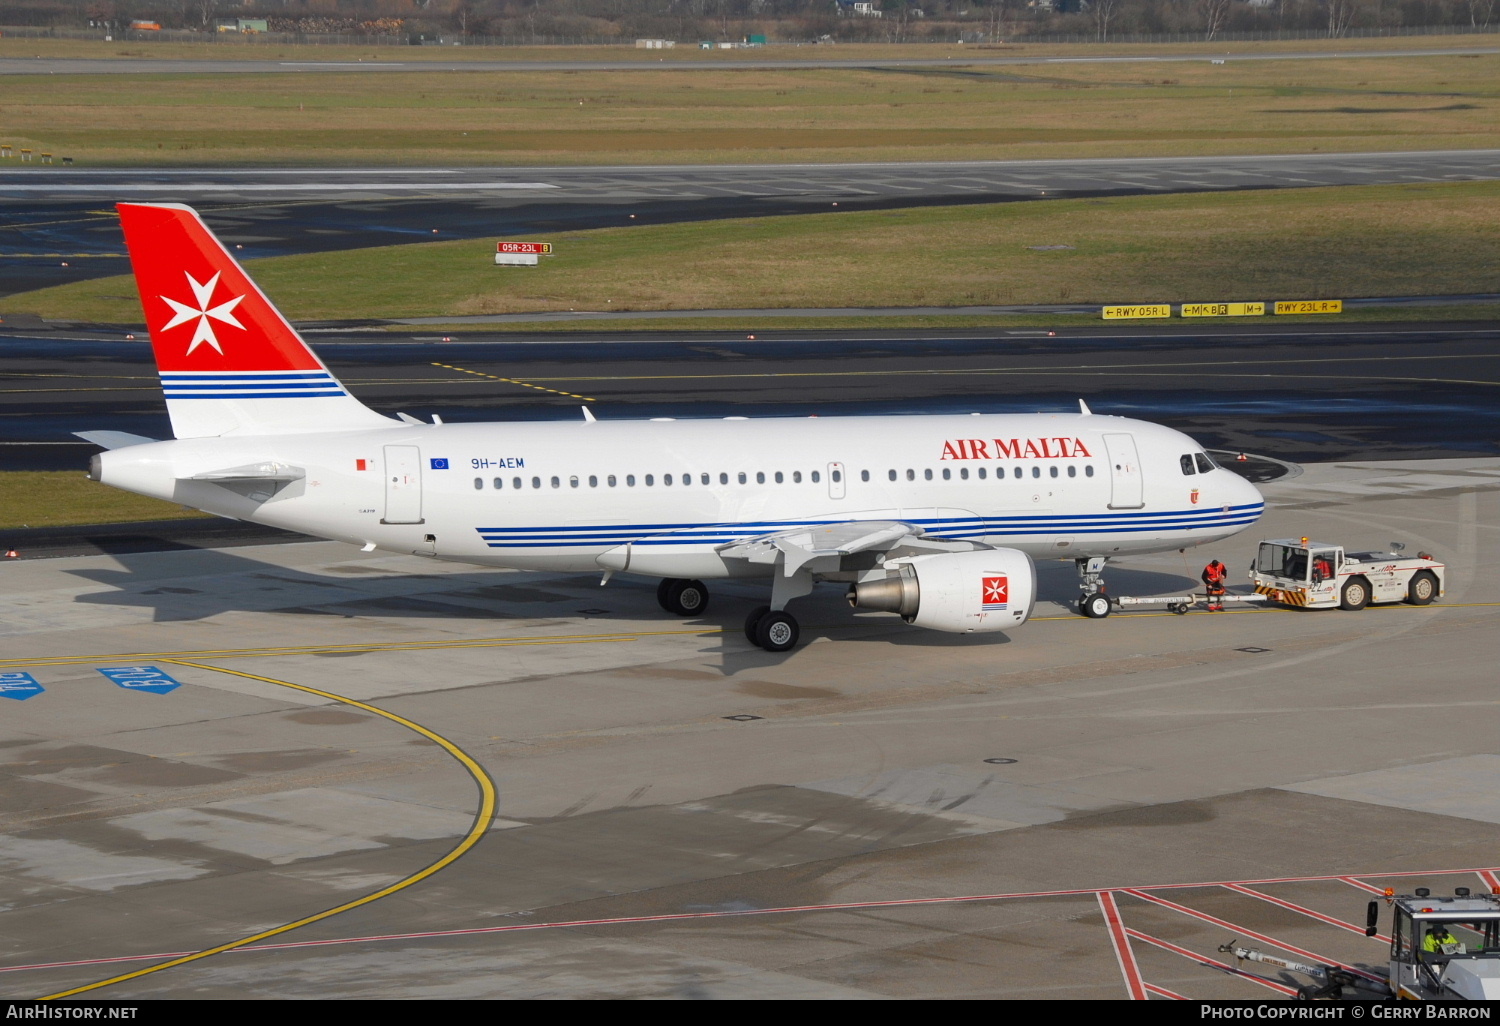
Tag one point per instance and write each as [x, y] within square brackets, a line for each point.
[520, 254]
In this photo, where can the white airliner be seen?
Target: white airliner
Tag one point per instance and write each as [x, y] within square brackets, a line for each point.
[936, 518]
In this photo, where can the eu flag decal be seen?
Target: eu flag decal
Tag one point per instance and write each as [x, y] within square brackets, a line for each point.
[140, 678]
[19, 686]
[438, 463]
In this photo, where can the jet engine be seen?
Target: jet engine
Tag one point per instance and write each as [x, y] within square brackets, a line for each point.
[959, 592]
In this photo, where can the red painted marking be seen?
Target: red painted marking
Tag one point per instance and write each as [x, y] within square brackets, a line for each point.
[681, 916]
[1241, 931]
[1164, 992]
[1489, 877]
[1303, 910]
[1214, 962]
[1371, 888]
[1134, 985]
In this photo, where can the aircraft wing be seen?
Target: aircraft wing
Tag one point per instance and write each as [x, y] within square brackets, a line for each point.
[824, 545]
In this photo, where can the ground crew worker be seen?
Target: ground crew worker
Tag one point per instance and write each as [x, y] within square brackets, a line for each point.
[1214, 576]
[1439, 941]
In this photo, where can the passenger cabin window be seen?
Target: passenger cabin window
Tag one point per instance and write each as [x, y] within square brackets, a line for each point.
[666, 479]
[982, 473]
[864, 475]
[816, 477]
[963, 473]
[649, 481]
[779, 478]
[1072, 470]
[1036, 471]
[629, 480]
[1052, 471]
[478, 484]
[573, 481]
[891, 475]
[836, 475]
[742, 477]
[1204, 463]
[499, 482]
[536, 482]
[927, 474]
[947, 474]
[556, 483]
[796, 477]
[1015, 472]
[911, 475]
[1185, 461]
[593, 480]
[610, 480]
[1088, 471]
[760, 477]
[516, 481]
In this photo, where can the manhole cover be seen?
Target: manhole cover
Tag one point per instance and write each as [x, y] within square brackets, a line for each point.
[743, 718]
[1252, 650]
[1000, 762]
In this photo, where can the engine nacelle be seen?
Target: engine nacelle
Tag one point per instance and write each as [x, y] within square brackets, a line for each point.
[959, 592]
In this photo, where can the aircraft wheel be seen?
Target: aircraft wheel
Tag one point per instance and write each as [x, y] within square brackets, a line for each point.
[664, 592]
[687, 598]
[777, 631]
[753, 621]
[1094, 606]
[1422, 589]
[1355, 594]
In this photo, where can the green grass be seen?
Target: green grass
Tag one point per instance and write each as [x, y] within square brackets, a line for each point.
[661, 115]
[61, 498]
[1337, 243]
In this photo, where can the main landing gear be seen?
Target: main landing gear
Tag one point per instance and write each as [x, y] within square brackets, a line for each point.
[769, 627]
[682, 597]
[1093, 602]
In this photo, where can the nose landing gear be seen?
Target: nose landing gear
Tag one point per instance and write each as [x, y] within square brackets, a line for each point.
[1093, 602]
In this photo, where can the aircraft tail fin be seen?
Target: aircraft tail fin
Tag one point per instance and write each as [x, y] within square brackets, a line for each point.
[229, 361]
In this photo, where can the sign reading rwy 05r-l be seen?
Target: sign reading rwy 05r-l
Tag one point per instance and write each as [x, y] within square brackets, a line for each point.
[1223, 309]
[1113, 313]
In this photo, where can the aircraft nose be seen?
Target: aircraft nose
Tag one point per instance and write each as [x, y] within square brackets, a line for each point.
[1246, 494]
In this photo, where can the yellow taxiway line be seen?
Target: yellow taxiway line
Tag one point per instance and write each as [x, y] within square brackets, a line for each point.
[482, 817]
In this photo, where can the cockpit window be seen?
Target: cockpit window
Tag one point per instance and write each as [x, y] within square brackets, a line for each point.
[1186, 462]
[1204, 463]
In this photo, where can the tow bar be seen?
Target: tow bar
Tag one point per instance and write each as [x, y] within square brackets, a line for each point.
[1180, 604]
[1331, 979]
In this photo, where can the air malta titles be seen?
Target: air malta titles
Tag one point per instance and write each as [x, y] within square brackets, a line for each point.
[1015, 449]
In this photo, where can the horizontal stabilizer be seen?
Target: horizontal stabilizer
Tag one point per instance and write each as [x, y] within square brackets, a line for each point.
[268, 471]
[114, 439]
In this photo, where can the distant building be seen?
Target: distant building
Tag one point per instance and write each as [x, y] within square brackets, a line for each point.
[857, 9]
[655, 44]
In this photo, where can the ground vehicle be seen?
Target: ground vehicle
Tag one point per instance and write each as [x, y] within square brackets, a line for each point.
[1462, 963]
[1319, 575]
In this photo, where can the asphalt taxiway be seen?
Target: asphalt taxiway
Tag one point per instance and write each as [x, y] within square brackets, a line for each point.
[1304, 393]
[650, 807]
[59, 225]
[960, 58]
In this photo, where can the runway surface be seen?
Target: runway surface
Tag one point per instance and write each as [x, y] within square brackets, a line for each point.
[171, 66]
[647, 807]
[52, 215]
[1301, 394]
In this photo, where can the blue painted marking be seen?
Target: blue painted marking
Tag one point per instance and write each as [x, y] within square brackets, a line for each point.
[140, 678]
[438, 463]
[19, 686]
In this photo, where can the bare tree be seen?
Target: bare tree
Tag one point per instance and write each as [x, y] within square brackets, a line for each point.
[1215, 14]
[1104, 13]
[1480, 12]
[1340, 15]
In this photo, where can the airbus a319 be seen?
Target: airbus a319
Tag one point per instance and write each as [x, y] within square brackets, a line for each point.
[935, 518]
